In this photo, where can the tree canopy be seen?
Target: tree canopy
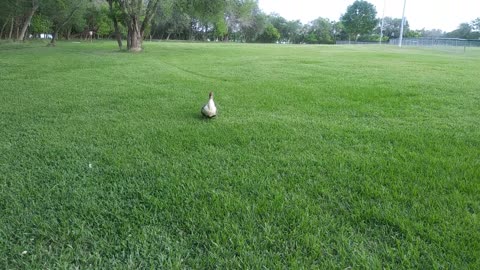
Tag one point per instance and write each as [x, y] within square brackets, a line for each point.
[359, 19]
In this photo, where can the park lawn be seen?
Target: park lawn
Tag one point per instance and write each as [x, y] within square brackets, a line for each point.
[321, 157]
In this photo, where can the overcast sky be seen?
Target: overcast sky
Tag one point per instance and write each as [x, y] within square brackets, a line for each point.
[429, 14]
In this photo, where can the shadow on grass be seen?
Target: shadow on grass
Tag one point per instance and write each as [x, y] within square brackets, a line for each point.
[199, 116]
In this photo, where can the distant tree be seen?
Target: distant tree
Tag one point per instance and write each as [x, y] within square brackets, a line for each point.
[252, 31]
[18, 14]
[115, 15]
[40, 24]
[338, 31]
[320, 31]
[31, 8]
[413, 34]
[103, 23]
[464, 30]
[172, 20]
[280, 24]
[239, 15]
[61, 13]
[293, 31]
[220, 28]
[270, 34]
[475, 24]
[208, 13]
[431, 33]
[359, 19]
[391, 27]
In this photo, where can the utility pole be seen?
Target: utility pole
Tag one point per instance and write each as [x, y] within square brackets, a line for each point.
[383, 21]
[403, 23]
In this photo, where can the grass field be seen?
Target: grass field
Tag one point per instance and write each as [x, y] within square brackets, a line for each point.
[321, 157]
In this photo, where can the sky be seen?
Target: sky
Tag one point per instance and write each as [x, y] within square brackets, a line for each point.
[428, 14]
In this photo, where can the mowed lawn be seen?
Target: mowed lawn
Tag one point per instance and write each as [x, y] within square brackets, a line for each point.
[321, 157]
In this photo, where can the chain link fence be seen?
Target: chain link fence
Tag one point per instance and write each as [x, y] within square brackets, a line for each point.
[432, 42]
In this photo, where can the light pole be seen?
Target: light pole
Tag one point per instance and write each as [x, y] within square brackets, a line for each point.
[403, 22]
[383, 21]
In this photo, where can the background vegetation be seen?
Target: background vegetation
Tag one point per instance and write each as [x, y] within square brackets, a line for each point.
[214, 20]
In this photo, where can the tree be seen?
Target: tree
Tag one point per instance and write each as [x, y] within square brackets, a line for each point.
[269, 35]
[114, 14]
[293, 34]
[7, 17]
[391, 27]
[33, 6]
[359, 19]
[221, 28]
[463, 31]
[40, 24]
[338, 31]
[17, 13]
[98, 19]
[475, 24]
[137, 15]
[431, 33]
[172, 20]
[320, 31]
[280, 24]
[251, 32]
[60, 13]
[239, 14]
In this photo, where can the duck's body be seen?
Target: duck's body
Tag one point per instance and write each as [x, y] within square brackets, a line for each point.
[209, 110]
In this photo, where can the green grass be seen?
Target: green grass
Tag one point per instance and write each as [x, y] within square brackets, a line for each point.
[321, 157]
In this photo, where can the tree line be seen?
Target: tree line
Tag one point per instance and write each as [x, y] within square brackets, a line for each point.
[132, 21]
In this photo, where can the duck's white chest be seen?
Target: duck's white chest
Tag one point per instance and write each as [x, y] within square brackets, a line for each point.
[209, 109]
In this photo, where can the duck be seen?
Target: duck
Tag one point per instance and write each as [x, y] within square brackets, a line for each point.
[209, 110]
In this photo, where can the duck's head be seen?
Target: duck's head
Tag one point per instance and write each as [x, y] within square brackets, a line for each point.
[210, 95]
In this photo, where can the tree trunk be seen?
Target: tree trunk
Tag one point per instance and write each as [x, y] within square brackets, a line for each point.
[3, 28]
[205, 32]
[136, 28]
[135, 36]
[17, 28]
[28, 20]
[11, 29]
[53, 41]
[118, 36]
[69, 32]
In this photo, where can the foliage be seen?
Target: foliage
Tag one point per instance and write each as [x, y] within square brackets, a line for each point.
[251, 32]
[391, 27]
[359, 19]
[463, 31]
[105, 26]
[475, 24]
[221, 28]
[431, 33]
[320, 31]
[40, 24]
[63, 14]
[279, 23]
[293, 32]
[269, 35]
